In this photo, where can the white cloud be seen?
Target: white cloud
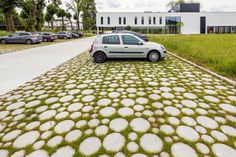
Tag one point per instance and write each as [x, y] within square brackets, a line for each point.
[159, 5]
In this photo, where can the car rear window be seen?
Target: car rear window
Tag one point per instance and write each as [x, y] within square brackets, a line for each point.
[113, 39]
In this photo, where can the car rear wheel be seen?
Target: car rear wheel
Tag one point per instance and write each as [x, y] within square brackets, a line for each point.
[28, 42]
[153, 56]
[100, 57]
[65, 37]
[45, 40]
[3, 41]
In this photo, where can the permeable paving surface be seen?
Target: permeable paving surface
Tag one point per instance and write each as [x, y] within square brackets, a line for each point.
[120, 108]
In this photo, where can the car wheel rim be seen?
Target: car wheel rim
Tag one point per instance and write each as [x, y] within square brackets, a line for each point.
[100, 57]
[153, 57]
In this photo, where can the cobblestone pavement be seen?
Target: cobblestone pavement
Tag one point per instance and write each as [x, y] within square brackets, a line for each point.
[120, 108]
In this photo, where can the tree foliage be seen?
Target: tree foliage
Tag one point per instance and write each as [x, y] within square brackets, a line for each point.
[61, 13]
[8, 7]
[89, 14]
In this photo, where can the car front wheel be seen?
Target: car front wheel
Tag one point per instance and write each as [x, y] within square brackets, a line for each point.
[28, 42]
[153, 56]
[99, 57]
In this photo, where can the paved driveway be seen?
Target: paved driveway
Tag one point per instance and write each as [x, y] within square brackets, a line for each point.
[18, 67]
[120, 108]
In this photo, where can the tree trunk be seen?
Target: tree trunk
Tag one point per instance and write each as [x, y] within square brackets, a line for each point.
[71, 25]
[10, 27]
[52, 26]
[63, 24]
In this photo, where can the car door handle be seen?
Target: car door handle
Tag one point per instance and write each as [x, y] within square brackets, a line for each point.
[105, 46]
[126, 47]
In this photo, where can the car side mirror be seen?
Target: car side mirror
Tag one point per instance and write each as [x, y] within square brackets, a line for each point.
[10, 35]
[140, 43]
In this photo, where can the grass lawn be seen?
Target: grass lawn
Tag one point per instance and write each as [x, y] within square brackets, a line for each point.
[215, 52]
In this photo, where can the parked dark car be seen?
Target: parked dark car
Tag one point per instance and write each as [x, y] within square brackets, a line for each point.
[64, 35]
[21, 38]
[48, 37]
[142, 36]
[81, 34]
[75, 35]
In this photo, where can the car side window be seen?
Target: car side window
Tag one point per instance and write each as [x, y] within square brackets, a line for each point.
[113, 39]
[130, 40]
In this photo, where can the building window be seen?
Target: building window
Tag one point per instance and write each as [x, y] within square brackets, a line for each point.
[119, 20]
[142, 20]
[150, 20]
[172, 26]
[160, 20]
[135, 20]
[154, 20]
[108, 20]
[101, 20]
[124, 20]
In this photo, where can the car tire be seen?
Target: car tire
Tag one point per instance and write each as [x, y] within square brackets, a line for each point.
[154, 56]
[99, 57]
[3, 41]
[45, 40]
[28, 42]
[65, 37]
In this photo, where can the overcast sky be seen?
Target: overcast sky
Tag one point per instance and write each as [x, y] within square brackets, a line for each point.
[159, 5]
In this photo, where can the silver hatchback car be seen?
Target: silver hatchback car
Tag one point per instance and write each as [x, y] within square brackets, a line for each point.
[125, 46]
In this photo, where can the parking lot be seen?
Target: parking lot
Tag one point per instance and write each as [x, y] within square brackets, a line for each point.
[122, 108]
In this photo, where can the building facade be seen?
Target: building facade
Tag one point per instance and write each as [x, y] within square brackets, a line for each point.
[169, 22]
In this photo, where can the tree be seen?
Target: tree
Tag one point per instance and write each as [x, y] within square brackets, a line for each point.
[172, 3]
[76, 7]
[61, 14]
[51, 11]
[179, 25]
[40, 6]
[7, 7]
[89, 14]
[129, 28]
[48, 19]
[69, 16]
[32, 13]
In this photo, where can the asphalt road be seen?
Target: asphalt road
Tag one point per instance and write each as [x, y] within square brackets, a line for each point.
[19, 67]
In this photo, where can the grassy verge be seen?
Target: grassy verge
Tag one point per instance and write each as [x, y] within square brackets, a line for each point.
[4, 33]
[215, 52]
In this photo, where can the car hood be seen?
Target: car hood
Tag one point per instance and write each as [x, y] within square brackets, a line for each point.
[153, 44]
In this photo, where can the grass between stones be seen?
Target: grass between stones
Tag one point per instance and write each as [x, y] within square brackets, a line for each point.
[153, 88]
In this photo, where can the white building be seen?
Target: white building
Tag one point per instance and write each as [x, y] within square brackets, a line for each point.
[169, 22]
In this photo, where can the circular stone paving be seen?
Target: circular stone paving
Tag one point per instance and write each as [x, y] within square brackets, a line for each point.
[151, 143]
[228, 108]
[26, 139]
[64, 126]
[207, 122]
[113, 142]
[104, 102]
[222, 150]
[127, 102]
[178, 149]
[140, 125]
[118, 124]
[107, 111]
[187, 133]
[90, 146]
[64, 151]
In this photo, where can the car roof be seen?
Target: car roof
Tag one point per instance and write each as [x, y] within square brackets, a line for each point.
[109, 34]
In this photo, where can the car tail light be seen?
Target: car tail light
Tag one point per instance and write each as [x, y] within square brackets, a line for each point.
[91, 49]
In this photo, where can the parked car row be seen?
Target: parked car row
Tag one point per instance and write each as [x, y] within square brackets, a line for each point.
[38, 37]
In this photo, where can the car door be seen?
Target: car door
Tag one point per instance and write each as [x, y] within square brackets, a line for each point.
[13, 38]
[112, 45]
[133, 47]
[22, 37]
